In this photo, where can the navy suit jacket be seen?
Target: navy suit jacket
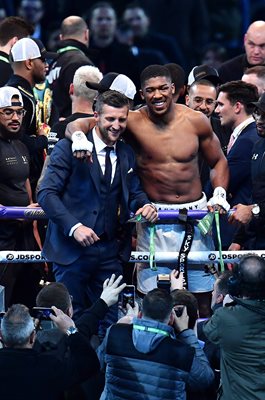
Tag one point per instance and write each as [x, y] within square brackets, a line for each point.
[70, 193]
[239, 163]
[240, 183]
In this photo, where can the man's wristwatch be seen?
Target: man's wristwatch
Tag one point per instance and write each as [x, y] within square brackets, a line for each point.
[255, 210]
[71, 330]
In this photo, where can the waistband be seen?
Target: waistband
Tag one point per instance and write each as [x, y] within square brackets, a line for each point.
[200, 204]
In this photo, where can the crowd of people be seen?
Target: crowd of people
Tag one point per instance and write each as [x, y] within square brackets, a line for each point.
[116, 121]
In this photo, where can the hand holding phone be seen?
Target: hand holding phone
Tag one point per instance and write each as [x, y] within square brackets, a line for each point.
[41, 312]
[128, 296]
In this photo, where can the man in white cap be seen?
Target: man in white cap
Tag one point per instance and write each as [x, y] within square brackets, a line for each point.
[28, 59]
[14, 182]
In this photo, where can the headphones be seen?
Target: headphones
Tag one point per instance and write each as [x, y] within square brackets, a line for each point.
[237, 283]
[233, 283]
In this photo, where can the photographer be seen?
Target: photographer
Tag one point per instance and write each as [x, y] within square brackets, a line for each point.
[239, 330]
[149, 346]
[57, 294]
[28, 374]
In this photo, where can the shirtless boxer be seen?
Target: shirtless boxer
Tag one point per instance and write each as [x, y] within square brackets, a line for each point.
[167, 138]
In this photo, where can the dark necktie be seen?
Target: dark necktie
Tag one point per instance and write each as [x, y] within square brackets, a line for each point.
[108, 166]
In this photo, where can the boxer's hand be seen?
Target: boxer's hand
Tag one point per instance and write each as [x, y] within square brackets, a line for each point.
[241, 214]
[85, 236]
[218, 201]
[81, 147]
[149, 212]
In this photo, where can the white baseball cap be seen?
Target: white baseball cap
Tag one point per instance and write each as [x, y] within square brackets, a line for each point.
[29, 49]
[6, 94]
[114, 81]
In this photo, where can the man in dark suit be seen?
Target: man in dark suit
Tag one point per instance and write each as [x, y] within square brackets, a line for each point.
[235, 112]
[86, 201]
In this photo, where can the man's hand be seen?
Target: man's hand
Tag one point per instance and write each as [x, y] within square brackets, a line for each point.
[218, 201]
[149, 212]
[176, 280]
[43, 129]
[233, 247]
[81, 147]
[61, 320]
[33, 205]
[242, 214]
[111, 290]
[181, 323]
[85, 236]
[131, 313]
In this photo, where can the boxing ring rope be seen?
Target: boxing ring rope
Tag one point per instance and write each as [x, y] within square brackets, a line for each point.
[194, 257]
[38, 213]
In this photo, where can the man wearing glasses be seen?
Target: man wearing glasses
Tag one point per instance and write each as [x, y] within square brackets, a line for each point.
[252, 217]
[14, 182]
[28, 59]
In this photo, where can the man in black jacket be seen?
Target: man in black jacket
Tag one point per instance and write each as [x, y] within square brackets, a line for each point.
[41, 375]
[254, 42]
[73, 53]
[28, 60]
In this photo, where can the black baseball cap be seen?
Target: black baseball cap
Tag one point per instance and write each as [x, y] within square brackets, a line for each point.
[204, 72]
[260, 104]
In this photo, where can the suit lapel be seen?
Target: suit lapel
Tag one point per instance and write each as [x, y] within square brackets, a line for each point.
[123, 159]
[94, 167]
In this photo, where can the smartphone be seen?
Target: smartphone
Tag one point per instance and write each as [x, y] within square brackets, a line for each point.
[128, 296]
[41, 312]
[178, 310]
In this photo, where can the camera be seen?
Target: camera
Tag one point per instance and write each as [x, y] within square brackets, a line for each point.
[128, 296]
[163, 282]
[179, 310]
[41, 312]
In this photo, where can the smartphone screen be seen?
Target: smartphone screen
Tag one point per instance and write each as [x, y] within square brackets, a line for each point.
[41, 312]
[128, 296]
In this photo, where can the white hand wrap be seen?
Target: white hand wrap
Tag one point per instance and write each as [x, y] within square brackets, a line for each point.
[219, 199]
[80, 142]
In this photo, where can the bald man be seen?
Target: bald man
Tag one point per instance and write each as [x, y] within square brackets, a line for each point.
[73, 53]
[254, 43]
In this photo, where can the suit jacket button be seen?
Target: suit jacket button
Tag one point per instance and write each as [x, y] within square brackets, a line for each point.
[95, 212]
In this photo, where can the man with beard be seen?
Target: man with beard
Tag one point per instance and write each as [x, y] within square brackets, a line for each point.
[29, 63]
[251, 235]
[14, 183]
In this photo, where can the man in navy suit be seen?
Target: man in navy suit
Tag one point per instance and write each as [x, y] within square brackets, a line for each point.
[85, 207]
[235, 112]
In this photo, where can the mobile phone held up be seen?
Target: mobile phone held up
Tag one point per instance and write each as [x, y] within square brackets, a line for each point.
[128, 296]
[41, 312]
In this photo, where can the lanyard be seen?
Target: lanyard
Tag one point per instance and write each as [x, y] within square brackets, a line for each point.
[151, 330]
[4, 59]
[68, 48]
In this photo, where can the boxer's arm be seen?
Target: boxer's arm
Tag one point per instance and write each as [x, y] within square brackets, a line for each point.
[219, 175]
[81, 146]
